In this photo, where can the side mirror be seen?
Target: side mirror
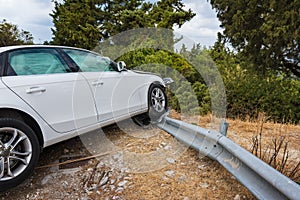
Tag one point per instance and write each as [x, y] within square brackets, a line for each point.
[121, 66]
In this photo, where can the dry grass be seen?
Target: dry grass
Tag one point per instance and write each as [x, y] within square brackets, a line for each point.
[276, 152]
[276, 144]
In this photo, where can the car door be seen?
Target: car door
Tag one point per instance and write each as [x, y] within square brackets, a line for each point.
[114, 94]
[41, 77]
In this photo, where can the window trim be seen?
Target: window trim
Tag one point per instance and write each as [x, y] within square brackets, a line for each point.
[69, 61]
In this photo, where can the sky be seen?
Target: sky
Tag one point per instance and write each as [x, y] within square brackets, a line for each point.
[33, 16]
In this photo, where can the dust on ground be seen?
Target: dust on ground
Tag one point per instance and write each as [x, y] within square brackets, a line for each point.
[136, 163]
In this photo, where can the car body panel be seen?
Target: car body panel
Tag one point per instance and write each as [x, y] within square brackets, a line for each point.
[123, 93]
[58, 101]
[11, 101]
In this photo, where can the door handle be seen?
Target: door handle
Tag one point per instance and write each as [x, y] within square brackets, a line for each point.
[97, 83]
[35, 90]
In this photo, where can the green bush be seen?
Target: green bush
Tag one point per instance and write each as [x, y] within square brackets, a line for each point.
[248, 92]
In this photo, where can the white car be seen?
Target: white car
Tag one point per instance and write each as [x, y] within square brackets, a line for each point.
[52, 93]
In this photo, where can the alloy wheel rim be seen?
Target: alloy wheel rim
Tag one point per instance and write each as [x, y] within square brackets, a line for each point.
[15, 153]
[158, 99]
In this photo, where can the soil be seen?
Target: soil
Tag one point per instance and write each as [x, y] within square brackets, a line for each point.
[124, 161]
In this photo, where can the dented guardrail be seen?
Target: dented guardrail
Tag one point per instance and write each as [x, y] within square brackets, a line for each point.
[262, 180]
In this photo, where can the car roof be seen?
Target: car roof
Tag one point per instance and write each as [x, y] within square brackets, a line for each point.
[7, 48]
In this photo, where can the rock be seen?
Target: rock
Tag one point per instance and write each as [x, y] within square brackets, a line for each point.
[237, 197]
[70, 171]
[47, 178]
[170, 173]
[65, 184]
[112, 187]
[163, 144]
[202, 167]
[119, 189]
[104, 180]
[186, 198]
[117, 157]
[127, 178]
[182, 178]
[112, 181]
[122, 183]
[124, 170]
[170, 160]
[90, 169]
[204, 185]
[100, 164]
[120, 176]
[93, 187]
[167, 147]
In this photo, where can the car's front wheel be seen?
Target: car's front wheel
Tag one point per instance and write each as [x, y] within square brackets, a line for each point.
[157, 102]
[157, 106]
[19, 152]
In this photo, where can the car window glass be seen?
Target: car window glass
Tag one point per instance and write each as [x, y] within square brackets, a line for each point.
[35, 61]
[1, 64]
[90, 62]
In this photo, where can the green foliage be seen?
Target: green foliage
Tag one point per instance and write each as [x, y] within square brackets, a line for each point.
[183, 93]
[75, 24]
[10, 34]
[86, 23]
[250, 92]
[167, 13]
[265, 32]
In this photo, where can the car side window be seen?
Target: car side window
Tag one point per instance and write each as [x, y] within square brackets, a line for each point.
[90, 62]
[35, 61]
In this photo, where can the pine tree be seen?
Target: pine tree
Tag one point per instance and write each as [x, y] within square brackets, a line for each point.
[266, 32]
[84, 23]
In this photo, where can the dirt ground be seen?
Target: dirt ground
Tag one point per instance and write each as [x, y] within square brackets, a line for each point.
[124, 161]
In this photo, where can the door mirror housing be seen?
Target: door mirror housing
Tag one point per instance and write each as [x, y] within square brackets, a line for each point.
[121, 66]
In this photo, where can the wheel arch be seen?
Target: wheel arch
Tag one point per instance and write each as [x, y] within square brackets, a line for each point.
[25, 117]
[157, 83]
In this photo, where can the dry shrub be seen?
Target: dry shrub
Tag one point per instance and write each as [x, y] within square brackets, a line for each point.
[275, 152]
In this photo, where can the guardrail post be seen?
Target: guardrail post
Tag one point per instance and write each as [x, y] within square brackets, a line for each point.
[224, 127]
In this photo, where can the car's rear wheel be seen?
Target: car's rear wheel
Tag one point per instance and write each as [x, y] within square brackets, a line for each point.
[157, 106]
[19, 152]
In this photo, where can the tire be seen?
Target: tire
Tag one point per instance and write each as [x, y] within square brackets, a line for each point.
[157, 106]
[19, 152]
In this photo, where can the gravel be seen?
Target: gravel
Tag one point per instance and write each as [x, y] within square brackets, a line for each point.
[145, 165]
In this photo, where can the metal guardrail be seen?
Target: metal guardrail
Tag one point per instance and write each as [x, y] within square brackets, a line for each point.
[262, 180]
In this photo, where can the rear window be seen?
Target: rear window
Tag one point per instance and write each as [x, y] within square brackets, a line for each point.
[35, 61]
